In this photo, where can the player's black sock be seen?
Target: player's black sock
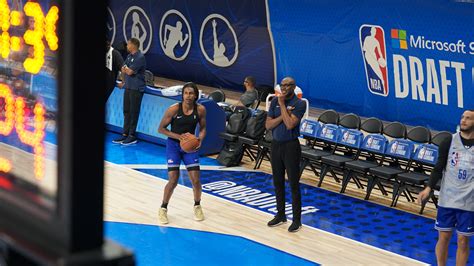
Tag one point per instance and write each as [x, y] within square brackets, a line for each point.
[197, 203]
[164, 205]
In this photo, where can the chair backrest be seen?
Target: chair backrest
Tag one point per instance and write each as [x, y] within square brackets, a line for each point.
[400, 149]
[149, 78]
[329, 133]
[375, 143]
[372, 125]
[440, 136]
[426, 154]
[351, 138]
[268, 100]
[217, 96]
[419, 134]
[329, 117]
[395, 130]
[306, 112]
[351, 121]
[309, 128]
[263, 92]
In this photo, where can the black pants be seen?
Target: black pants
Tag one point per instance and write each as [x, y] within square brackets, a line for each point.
[287, 156]
[132, 100]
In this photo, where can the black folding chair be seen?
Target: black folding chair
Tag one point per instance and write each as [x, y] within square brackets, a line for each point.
[422, 164]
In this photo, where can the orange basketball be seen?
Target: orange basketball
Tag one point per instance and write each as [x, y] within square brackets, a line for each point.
[190, 143]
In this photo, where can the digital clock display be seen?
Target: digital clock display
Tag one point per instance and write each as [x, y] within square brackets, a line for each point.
[29, 100]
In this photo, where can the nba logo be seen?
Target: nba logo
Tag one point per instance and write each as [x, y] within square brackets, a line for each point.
[369, 142]
[421, 155]
[303, 126]
[345, 137]
[394, 147]
[324, 131]
[372, 43]
[454, 159]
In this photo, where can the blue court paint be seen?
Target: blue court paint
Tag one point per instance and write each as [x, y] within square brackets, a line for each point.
[154, 245]
[376, 225]
[141, 153]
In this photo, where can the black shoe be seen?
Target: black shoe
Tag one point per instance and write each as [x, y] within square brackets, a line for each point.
[130, 140]
[276, 221]
[120, 140]
[294, 227]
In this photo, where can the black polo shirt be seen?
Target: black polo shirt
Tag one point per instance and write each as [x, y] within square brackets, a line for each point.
[137, 63]
[280, 133]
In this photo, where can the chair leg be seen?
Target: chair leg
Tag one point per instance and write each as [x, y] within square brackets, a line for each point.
[345, 180]
[382, 188]
[314, 169]
[265, 153]
[410, 195]
[257, 160]
[357, 182]
[331, 171]
[303, 164]
[249, 154]
[406, 195]
[324, 170]
[398, 188]
[370, 185]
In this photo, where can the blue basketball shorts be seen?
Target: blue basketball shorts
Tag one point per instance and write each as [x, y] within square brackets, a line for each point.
[175, 155]
[449, 219]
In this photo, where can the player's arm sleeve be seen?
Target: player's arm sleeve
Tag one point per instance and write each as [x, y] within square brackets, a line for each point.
[300, 109]
[443, 152]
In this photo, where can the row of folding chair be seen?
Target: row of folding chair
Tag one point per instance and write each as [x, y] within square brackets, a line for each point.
[371, 152]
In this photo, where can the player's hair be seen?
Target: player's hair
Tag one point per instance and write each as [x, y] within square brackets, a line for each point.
[194, 87]
[251, 80]
[135, 42]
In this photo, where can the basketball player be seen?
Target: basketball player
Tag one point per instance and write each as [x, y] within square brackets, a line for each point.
[183, 117]
[455, 167]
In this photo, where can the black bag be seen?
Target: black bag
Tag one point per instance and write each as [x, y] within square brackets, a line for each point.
[231, 154]
[256, 124]
[238, 120]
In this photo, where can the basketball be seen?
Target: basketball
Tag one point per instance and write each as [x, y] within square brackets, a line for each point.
[189, 143]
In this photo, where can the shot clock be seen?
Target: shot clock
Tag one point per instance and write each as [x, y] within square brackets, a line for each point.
[51, 134]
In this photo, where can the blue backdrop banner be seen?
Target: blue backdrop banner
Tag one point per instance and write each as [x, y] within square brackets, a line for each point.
[410, 61]
[213, 42]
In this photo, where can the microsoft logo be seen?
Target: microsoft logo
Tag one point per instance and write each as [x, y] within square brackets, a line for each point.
[399, 39]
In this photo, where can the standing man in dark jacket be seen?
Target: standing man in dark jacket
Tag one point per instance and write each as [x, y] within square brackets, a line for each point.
[133, 73]
[113, 64]
[284, 117]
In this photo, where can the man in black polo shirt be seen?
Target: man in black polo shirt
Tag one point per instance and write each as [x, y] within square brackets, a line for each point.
[133, 80]
[283, 119]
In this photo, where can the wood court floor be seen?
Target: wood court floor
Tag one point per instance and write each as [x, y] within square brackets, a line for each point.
[134, 197]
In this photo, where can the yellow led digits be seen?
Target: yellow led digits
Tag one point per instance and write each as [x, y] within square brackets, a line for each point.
[15, 117]
[5, 24]
[44, 28]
